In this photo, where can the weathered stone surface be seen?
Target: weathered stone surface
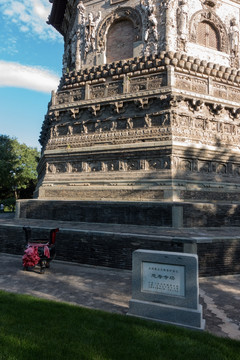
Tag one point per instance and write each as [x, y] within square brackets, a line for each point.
[160, 122]
[165, 288]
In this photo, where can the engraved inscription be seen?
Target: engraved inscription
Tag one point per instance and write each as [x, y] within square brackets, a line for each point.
[163, 278]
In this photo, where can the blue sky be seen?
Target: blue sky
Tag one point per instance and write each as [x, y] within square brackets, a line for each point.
[30, 67]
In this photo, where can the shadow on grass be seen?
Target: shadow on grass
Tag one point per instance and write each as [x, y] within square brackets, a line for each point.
[38, 329]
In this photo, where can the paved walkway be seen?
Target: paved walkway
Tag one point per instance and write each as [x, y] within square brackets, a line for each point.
[110, 290]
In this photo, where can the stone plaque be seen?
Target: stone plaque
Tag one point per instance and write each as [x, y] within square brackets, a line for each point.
[163, 278]
[165, 288]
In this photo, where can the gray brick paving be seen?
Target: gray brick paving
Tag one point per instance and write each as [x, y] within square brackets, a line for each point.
[110, 290]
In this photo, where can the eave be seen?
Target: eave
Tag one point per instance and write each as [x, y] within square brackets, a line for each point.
[57, 14]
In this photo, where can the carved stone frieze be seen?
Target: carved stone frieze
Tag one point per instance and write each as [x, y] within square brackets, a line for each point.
[150, 73]
[113, 136]
[129, 164]
[210, 167]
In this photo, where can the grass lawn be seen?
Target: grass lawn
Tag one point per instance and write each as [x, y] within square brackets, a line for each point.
[34, 329]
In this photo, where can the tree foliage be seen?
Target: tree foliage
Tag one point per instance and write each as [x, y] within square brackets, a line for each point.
[18, 168]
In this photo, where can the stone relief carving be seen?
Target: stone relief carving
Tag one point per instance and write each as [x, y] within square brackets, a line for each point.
[51, 168]
[74, 112]
[234, 42]
[129, 123]
[113, 125]
[143, 103]
[215, 109]
[54, 131]
[130, 164]
[182, 23]
[90, 32]
[122, 165]
[81, 39]
[118, 107]
[70, 130]
[234, 37]
[234, 113]
[73, 54]
[147, 121]
[150, 31]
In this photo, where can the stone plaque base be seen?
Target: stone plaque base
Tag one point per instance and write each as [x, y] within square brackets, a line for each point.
[165, 288]
[189, 318]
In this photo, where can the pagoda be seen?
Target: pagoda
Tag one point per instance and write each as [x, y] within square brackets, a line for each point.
[148, 106]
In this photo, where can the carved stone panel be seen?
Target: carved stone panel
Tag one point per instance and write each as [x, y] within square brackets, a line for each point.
[114, 88]
[144, 83]
[190, 83]
[97, 91]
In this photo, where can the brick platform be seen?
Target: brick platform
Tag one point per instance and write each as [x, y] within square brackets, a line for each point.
[111, 245]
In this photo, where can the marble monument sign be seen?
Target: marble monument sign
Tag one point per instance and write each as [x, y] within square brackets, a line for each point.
[165, 288]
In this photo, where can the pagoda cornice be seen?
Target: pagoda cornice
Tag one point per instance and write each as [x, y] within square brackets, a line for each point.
[57, 14]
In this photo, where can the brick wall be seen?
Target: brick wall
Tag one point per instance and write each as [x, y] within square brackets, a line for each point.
[219, 258]
[120, 41]
[93, 248]
[100, 212]
[136, 213]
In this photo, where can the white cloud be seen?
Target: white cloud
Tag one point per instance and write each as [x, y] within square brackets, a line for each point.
[21, 76]
[31, 14]
[9, 46]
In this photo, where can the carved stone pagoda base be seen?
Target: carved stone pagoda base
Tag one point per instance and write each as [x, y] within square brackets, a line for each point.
[157, 171]
[159, 128]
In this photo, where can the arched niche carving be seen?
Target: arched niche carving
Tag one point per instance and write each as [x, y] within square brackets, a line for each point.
[209, 17]
[123, 31]
[123, 13]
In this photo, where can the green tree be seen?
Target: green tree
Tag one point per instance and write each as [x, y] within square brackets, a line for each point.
[18, 168]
